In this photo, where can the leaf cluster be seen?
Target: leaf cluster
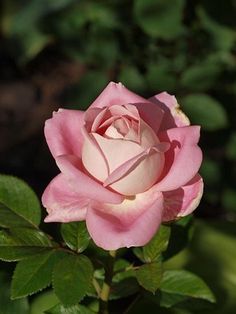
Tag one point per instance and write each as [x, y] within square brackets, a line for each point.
[41, 260]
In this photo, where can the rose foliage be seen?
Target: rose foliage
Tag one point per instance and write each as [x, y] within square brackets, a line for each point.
[127, 165]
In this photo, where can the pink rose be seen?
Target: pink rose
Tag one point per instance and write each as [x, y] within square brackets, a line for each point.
[127, 164]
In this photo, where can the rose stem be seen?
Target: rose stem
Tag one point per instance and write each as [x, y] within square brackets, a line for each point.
[106, 287]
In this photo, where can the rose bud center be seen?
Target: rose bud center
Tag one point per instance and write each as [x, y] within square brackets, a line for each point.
[124, 153]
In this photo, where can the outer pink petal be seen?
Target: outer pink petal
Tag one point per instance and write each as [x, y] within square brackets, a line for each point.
[118, 94]
[84, 185]
[63, 132]
[173, 116]
[183, 201]
[62, 203]
[131, 208]
[108, 233]
[183, 159]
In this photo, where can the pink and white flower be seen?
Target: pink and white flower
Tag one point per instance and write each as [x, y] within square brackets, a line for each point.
[127, 164]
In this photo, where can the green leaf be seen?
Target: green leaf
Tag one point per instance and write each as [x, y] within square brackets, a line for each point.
[205, 110]
[149, 276]
[76, 309]
[8, 306]
[72, 278]
[169, 299]
[77, 16]
[160, 18]
[75, 235]
[8, 219]
[120, 265]
[182, 282]
[223, 36]
[139, 253]
[32, 237]
[200, 77]
[43, 301]
[20, 243]
[27, 36]
[158, 244]
[34, 273]
[19, 204]
[32, 13]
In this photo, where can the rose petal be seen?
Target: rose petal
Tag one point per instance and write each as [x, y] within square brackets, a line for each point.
[122, 128]
[126, 167]
[131, 208]
[72, 168]
[183, 159]
[108, 233]
[133, 133]
[115, 132]
[62, 203]
[126, 121]
[117, 110]
[173, 116]
[63, 132]
[98, 166]
[183, 201]
[151, 114]
[117, 152]
[118, 94]
[93, 118]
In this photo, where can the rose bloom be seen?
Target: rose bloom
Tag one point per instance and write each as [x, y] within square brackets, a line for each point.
[127, 165]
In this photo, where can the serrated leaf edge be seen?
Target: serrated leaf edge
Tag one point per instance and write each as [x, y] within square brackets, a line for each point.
[35, 291]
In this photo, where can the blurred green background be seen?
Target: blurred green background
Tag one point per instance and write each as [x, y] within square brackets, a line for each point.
[62, 53]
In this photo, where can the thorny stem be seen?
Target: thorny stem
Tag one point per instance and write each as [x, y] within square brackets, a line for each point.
[106, 287]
